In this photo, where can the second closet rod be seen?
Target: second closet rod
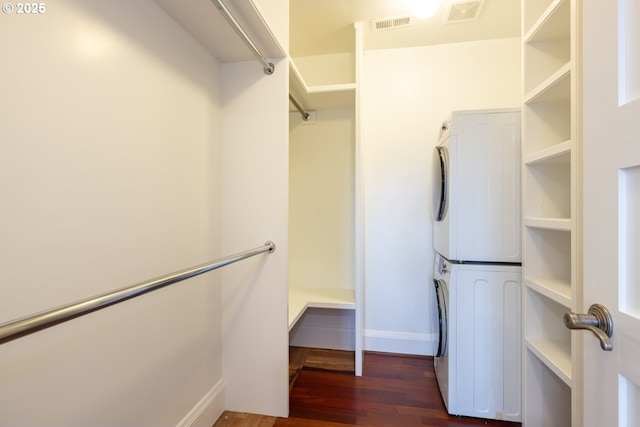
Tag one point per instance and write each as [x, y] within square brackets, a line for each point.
[304, 114]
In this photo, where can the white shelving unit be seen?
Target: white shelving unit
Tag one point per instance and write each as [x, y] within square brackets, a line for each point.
[550, 210]
[330, 82]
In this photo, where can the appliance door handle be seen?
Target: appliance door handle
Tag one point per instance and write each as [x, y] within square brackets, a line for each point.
[440, 184]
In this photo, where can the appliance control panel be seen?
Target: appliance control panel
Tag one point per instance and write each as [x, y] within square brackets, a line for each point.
[443, 266]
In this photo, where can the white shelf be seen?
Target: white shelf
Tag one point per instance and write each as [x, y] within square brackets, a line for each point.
[320, 97]
[556, 290]
[546, 125]
[560, 224]
[547, 45]
[557, 87]
[302, 298]
[344, 87]
[331, 96]
[548, 194]
[547, 254]
[552, 24]
[556, 355]
[552, 154]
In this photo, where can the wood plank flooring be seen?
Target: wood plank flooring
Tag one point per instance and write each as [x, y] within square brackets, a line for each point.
[329, 360]
[394, 391]
[238, 419]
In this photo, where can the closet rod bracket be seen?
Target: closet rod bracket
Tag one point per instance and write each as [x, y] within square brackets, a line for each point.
[270, 69]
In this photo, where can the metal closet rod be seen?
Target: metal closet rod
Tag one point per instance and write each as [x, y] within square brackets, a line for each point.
[12, 330]
[304, 114]
[268, 67]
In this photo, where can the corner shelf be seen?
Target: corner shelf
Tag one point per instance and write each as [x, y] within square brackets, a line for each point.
[320, 97]
[302, 298]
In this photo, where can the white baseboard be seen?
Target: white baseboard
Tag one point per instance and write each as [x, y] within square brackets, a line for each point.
[207, 411]
[400, 342]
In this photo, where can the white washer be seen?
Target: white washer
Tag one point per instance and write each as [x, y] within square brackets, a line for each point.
[476, 186]
[477, 364]
[441, 279]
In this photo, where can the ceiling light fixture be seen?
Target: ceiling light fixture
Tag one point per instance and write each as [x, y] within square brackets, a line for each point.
[423, 9]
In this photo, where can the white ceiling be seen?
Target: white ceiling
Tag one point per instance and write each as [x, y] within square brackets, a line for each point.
[326, 26]
[320, 27]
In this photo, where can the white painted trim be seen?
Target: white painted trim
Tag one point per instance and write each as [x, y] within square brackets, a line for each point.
[324, 328]
[207, 411]
[359, 215]
[317, 336]
[400, 342]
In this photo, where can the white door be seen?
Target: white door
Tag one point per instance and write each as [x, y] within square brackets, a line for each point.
[611, 211]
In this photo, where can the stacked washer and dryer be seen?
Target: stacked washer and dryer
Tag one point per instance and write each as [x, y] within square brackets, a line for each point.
[477, 272]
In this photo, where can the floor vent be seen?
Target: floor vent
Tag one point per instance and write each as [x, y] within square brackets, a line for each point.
[392, 23]
[463, 11]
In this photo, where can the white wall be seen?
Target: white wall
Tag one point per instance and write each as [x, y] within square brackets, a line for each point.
[321, 221]
[254, 206]
[275, 13]
[109, 175]
[321, 200]
[255, 193]
[129, 152]
[406, 95]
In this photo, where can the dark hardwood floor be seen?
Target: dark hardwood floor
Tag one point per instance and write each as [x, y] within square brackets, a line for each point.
[394, 391]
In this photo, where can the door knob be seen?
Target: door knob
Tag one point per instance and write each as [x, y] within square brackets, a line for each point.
[598, 321]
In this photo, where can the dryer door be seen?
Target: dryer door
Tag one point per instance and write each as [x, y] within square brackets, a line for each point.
[442, 297]
[440, 180]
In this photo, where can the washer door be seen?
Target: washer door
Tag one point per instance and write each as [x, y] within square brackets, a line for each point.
[440, 182]
[442, 300]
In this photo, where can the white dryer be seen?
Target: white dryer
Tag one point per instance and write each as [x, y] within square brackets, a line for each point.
[476, 186]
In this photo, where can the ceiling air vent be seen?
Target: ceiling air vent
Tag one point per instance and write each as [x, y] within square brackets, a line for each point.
[392, 23]
[463, 11]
